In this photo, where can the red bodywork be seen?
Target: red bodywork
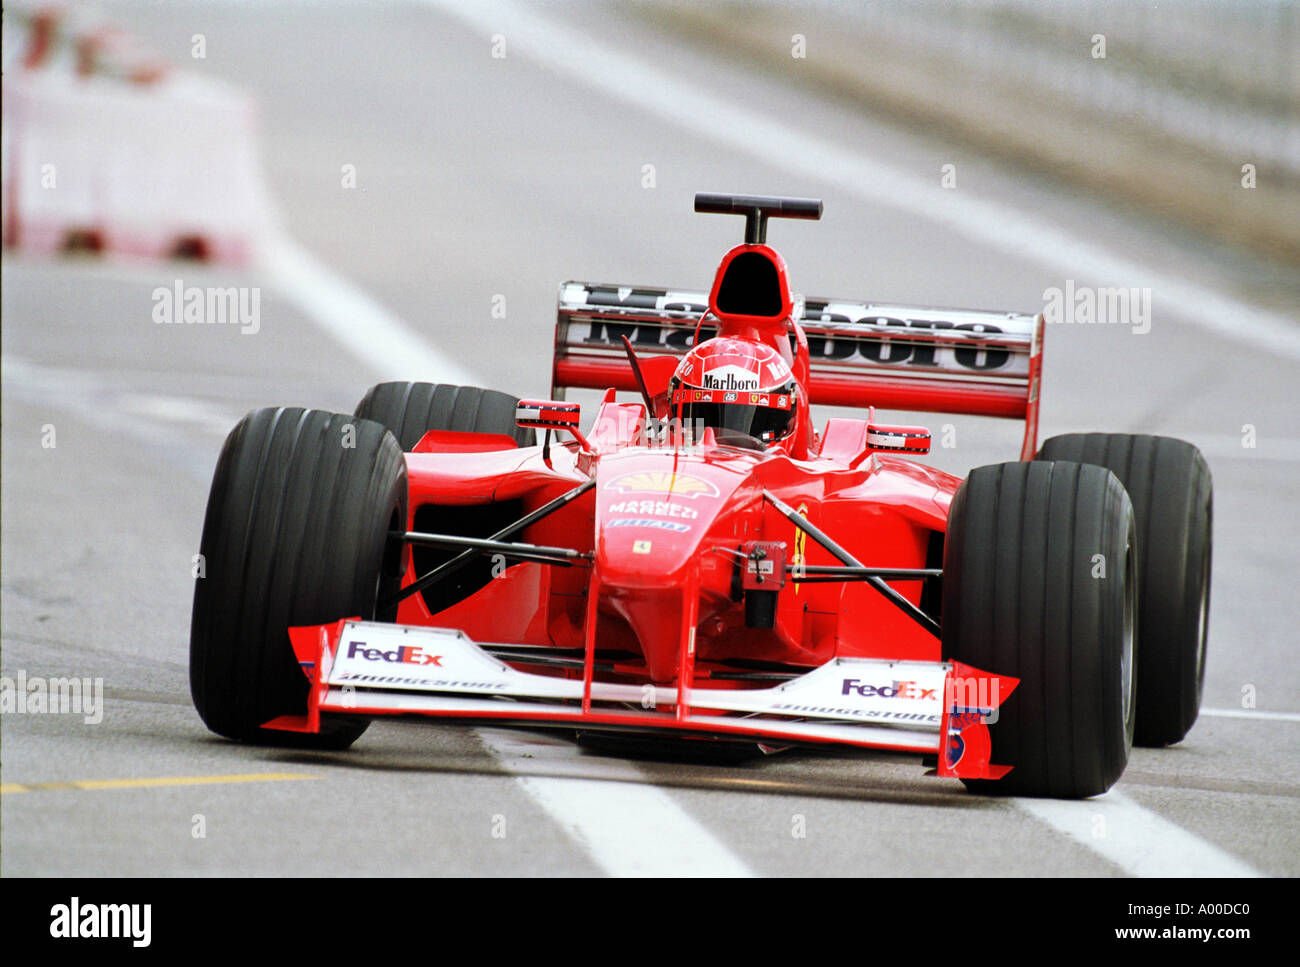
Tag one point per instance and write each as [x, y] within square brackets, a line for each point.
[664, 525]
[883, 510]
[675, 602]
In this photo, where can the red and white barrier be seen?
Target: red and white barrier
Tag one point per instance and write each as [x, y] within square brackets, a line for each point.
[106, 150]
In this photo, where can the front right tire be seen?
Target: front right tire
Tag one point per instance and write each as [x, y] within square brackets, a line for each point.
[1040, 583]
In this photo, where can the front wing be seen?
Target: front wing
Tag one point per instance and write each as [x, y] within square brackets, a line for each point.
[372, 669]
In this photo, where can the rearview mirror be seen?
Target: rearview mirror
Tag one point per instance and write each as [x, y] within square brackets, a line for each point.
[548, 415]
[882, 437]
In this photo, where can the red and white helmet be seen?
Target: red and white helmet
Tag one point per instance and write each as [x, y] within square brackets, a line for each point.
[735, 384]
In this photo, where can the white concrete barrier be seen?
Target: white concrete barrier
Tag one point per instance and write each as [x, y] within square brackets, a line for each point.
[108, 151]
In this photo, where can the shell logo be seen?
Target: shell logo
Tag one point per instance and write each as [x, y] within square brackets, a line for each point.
[662, 482]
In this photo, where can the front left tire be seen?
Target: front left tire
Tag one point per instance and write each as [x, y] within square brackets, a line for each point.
[1169, 483]
[296, 533]
[411, 410]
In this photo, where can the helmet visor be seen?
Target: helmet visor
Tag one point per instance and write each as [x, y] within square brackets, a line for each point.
[764, 416]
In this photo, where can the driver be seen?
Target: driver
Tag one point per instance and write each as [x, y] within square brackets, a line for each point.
[735, 385]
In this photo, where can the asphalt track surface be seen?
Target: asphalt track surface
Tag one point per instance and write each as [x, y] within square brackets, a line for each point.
[482, 176]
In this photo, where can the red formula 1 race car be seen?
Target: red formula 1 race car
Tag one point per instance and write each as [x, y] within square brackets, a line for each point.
[700, 563]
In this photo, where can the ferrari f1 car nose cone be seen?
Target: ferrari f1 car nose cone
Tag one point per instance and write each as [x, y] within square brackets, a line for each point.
[663, 621]
[660, 520]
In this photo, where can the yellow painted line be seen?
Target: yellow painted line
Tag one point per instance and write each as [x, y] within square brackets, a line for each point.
[153, 783]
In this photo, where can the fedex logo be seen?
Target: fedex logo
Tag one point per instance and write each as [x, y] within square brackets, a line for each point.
[408, 654]
[896, 690]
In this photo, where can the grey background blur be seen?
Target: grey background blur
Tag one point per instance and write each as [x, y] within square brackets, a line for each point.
[1158, 104]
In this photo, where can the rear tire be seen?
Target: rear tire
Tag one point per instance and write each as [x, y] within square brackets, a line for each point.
[1025, 594]
[1173, 504]
[411, 410]
[296, 533]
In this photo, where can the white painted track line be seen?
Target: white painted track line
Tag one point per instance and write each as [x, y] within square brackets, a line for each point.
[354, 318]
[1250, 713]
[989, 223]
[627, 827]
[1135, 839]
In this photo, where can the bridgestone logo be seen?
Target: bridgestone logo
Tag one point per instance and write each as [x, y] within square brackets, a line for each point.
[355, 677]
[859, 713]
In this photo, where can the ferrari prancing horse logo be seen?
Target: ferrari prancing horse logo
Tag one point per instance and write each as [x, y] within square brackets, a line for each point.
[800, 542]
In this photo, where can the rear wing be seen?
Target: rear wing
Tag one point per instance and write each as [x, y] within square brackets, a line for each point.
[860, 354]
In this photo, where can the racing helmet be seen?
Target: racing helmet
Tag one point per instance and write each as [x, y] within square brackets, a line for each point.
[736, 385]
